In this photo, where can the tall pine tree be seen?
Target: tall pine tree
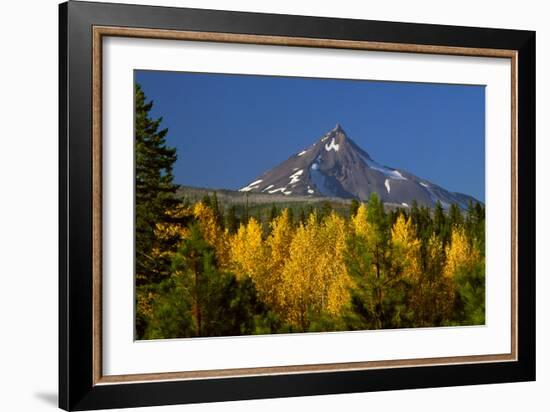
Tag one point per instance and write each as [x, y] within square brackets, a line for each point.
[155, 190]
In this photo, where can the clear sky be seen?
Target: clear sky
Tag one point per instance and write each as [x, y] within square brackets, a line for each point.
[228, 129]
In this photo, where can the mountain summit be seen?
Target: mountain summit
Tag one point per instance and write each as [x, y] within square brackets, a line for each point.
[335, 166]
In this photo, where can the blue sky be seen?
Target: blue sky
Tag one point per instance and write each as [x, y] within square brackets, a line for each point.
[228, 129]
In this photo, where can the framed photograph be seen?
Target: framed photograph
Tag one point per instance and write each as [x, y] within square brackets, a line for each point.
[257, 206]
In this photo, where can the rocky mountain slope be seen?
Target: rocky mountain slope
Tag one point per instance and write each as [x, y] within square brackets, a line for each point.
[335, 166]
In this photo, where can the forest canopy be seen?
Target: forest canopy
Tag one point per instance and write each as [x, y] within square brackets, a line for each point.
[204, 268]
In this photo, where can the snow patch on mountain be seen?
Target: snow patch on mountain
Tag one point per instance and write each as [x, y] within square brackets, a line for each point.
[295, 177]
[396, 174]
[281, 189]
[267, 188]
[303, 152]
[387, 184]
[391, 173]
[332, 145]
[251, 186]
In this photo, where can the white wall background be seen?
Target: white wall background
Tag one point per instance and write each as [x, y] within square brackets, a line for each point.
[28, 205]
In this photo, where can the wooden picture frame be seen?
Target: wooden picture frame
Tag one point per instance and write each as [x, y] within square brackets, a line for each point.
[82, 384]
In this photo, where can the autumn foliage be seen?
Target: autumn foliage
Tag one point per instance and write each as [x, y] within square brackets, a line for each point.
[202, 269]
[371, 270]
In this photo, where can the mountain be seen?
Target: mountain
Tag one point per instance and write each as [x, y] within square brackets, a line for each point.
[335, 166]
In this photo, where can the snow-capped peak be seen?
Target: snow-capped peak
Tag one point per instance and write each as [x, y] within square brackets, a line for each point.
[334, 132]
[335, 166]
[331, 146]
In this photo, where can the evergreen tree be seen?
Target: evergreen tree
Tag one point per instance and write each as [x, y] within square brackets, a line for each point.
[353, 207]
[258, 215]
[199, 299]
[479, 228]
[441, 228]
[170, 312]
[415, 215]
[439, 218]
[455, 216]
[471, 295]
[194, 263]
[469, 220]
[155, 190]
[434, 293]
[273, 213]
[375, 211]
[217, 210]
[207, 200]
[326, 210]
[302, 217]
[246, 212]
[290, 216]
[231, 221]
[425, 224]
[378, 299]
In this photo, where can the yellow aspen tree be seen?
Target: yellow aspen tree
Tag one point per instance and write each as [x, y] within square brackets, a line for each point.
[359, 222]
[299, 274]
[368, 236]
[332, 270]
[434, 249]
[212, 233]
[405, 248]
[441, 287]
[248, 254]
[459, 253]
[315, 277]
[278, 244]
[238, 252]
[359, 232]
